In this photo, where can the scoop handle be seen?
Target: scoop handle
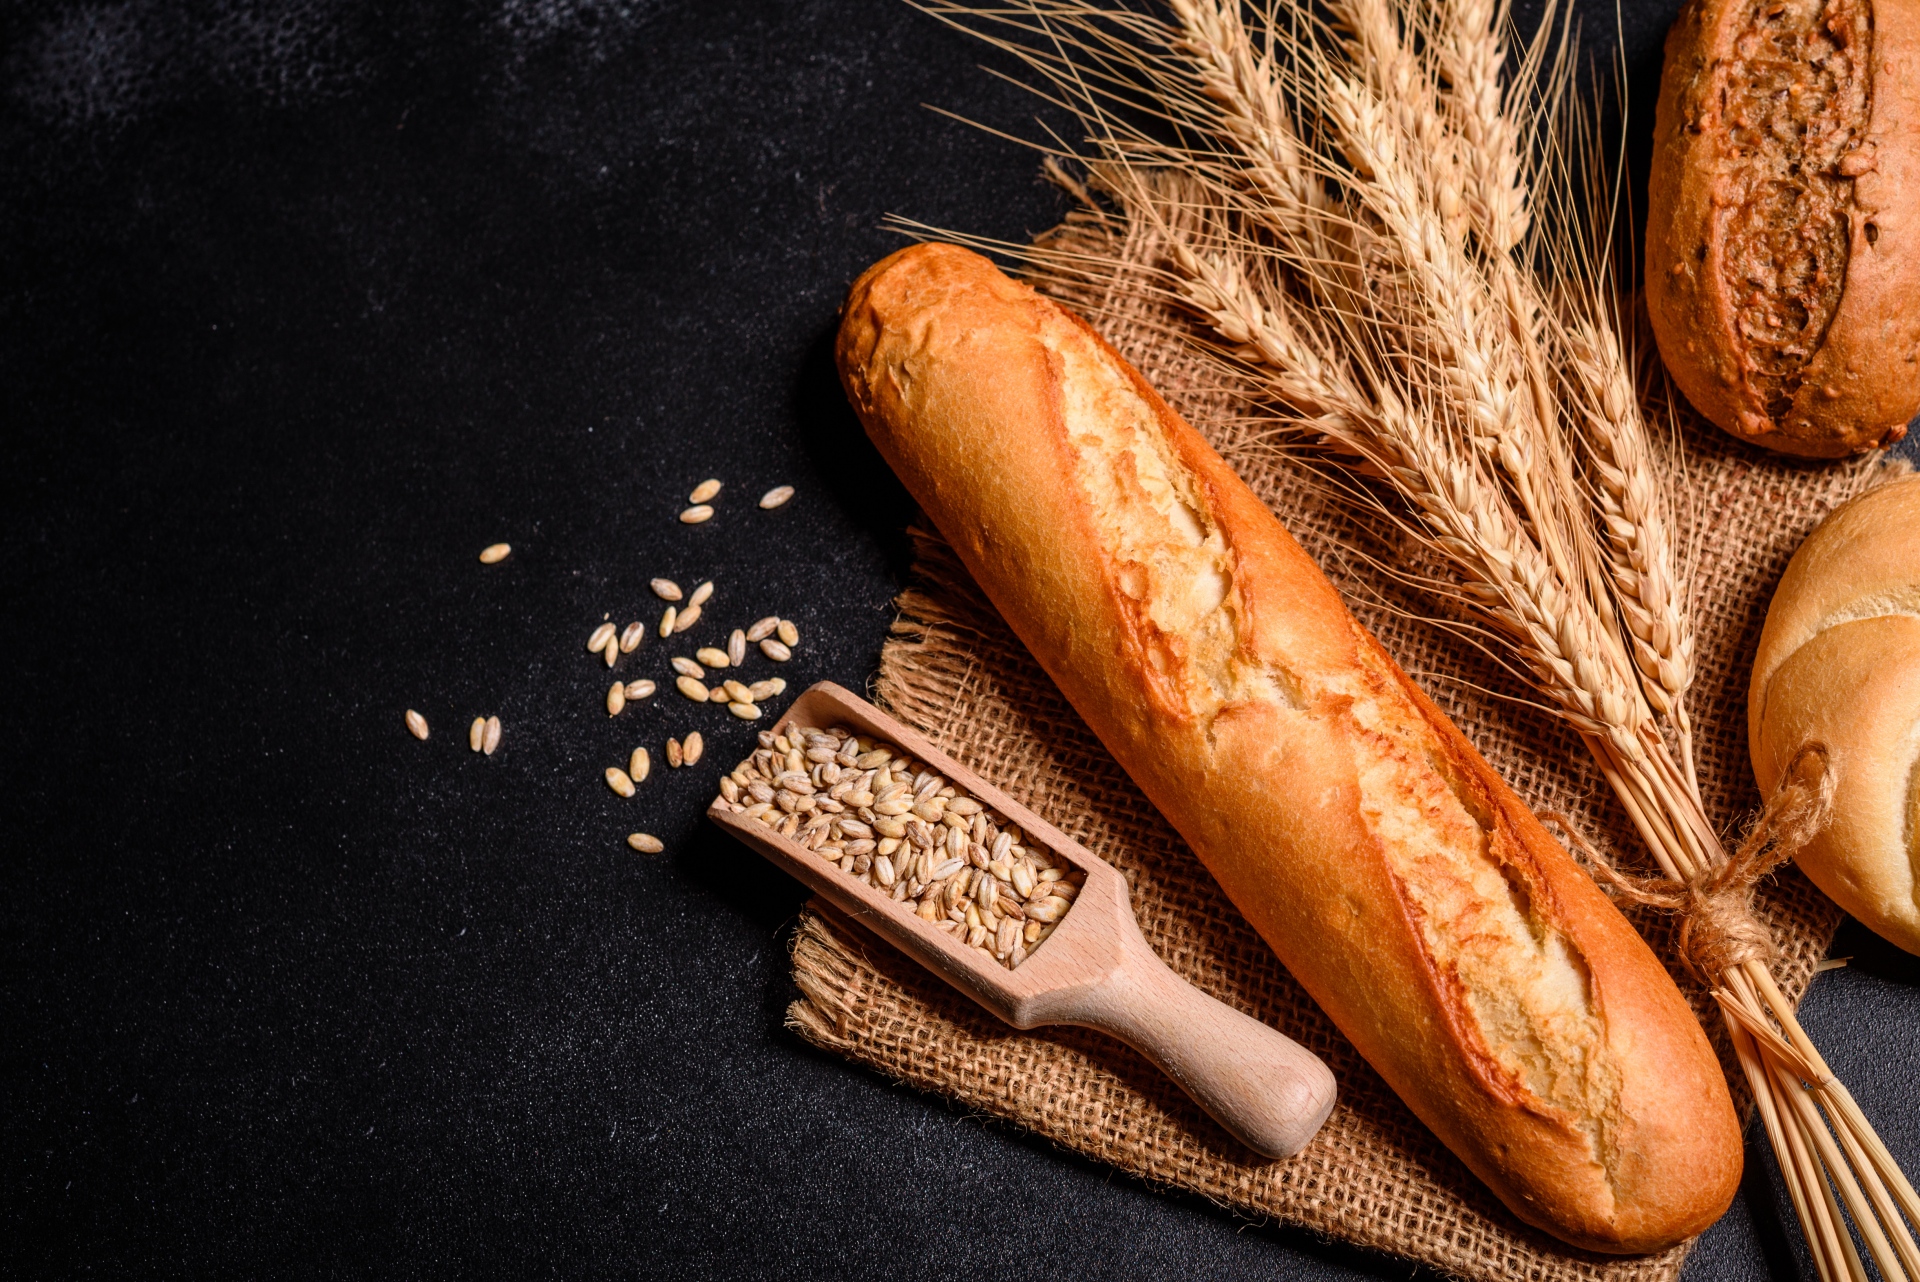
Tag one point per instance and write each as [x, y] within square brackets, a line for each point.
[1264, 1088]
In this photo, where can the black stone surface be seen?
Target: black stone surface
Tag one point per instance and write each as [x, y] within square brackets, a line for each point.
[303, 304]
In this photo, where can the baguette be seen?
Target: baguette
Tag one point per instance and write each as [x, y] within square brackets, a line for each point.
[1404, 884]
[1783, 247]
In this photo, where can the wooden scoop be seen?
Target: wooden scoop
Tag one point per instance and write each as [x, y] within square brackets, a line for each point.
[1096, 969]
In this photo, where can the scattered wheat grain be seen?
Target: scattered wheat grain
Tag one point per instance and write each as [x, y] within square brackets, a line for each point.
[619, 781]
[417, 724]
[696, 514]
[775, 650]
[645, 842]
[666, 589]
[704, 492]
[494, 553]
[491, 741]
[774, 497]
[598, 640]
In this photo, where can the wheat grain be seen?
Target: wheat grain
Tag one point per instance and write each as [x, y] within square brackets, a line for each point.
[701, 594]
[597, 641]
[616, 698]
[640, 689]
[639, 765]
[477, 733]
[704, 492]
[696, 514]
[619, 781]
[665, 589]
[821, 780]
[689, 615]
[494, 553]
[490, 743]
[416, 724]
[645, 842]
[631, 637]
[776, 496]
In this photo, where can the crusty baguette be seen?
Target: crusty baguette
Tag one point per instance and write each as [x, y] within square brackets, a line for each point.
[1417, 899]
[1783, 219]
[1839, 664]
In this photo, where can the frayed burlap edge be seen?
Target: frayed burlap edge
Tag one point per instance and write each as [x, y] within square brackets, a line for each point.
[1374, 1176]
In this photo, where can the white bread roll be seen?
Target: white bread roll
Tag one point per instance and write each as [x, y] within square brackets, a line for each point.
[1839, 663]
[1419, 901]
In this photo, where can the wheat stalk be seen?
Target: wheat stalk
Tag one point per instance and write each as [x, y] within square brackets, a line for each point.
[1637, 525]
[1352, 209]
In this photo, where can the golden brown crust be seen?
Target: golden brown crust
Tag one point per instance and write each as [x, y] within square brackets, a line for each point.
[1839, 664]
[1783, 219]
[1421, 904]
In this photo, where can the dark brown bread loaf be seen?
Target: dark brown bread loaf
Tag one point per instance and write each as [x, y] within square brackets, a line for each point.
[1783, 219]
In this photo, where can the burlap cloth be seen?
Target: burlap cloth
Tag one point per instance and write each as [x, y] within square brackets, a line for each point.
[1374, 1176]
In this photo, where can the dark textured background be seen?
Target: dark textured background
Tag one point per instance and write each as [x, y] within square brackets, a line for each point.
[302, 304]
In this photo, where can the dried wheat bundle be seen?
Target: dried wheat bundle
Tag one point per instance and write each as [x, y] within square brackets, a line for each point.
[1408, 253]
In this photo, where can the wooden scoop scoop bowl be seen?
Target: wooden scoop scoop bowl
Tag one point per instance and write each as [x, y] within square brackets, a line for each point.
[1096, 969]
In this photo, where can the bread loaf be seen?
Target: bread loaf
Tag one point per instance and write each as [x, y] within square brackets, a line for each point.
[1783, 219]
[1417, 899]
[1839, 665]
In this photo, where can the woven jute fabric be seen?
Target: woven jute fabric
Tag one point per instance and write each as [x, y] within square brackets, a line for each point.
[1374, 1176]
